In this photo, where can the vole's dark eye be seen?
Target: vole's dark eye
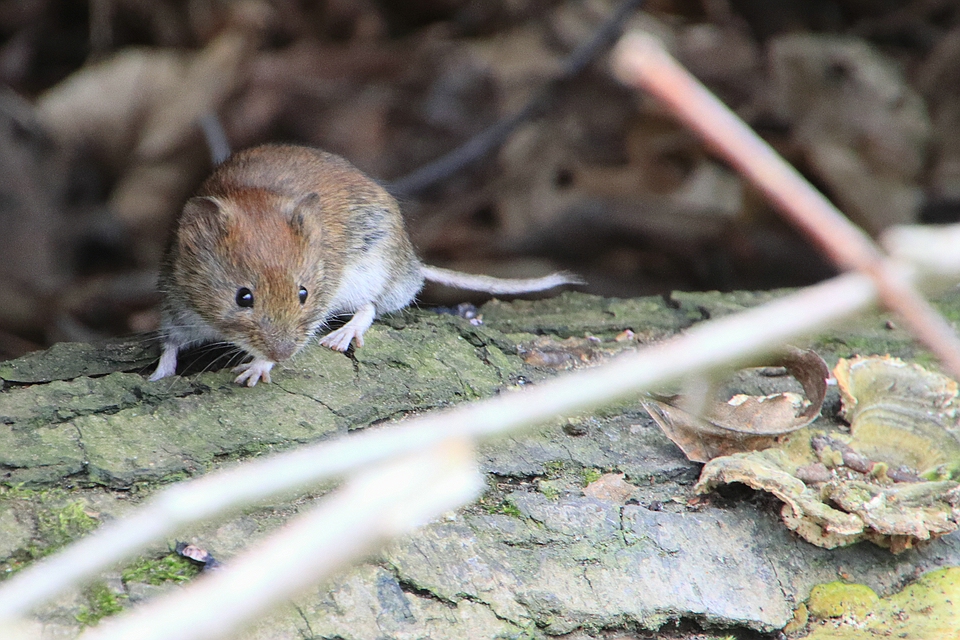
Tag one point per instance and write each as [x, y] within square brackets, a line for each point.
[303, 295]
[244, 297]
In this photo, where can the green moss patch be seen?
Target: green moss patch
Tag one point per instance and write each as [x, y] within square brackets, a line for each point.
[836, 599]
[158, 571]
[56, 522]
[101, 603]
[924, 609]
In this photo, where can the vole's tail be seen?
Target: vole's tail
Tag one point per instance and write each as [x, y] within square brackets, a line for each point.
[489, 284]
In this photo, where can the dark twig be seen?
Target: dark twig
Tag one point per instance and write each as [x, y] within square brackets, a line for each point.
[486, 142]
[216, 137]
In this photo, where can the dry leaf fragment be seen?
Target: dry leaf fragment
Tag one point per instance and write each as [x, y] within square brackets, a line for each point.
[699, 439]
[197, 554]
[746, 423]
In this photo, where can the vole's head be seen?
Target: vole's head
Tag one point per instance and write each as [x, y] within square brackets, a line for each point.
[249, 265]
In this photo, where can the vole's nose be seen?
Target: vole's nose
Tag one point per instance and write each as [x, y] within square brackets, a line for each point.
[280, 350]
[277, 344]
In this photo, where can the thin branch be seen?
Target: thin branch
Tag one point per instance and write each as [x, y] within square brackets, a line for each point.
[383, 501]
[642, 62]
[216, 137]
[489, 140]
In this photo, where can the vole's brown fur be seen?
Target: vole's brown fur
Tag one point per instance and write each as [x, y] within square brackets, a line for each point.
[278, 218]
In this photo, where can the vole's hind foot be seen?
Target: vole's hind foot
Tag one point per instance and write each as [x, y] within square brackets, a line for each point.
[353, 331]
[254, 371]
[167, 365]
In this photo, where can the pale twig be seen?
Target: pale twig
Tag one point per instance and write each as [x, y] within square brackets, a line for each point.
[376, 504]
[641, 61]
[931, 250]
[218, 144]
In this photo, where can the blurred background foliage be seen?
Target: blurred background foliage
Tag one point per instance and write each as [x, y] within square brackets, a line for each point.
[100, 143]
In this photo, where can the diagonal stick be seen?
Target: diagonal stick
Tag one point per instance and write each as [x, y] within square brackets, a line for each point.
[641, 61]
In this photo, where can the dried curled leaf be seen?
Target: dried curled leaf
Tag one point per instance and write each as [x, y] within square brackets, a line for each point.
[746, 423]
[839, 489]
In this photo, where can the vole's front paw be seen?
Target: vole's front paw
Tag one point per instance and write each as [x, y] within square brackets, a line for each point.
[340, 339]
[254, 371]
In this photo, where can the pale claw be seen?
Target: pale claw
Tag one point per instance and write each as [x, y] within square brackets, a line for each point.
[254, 371]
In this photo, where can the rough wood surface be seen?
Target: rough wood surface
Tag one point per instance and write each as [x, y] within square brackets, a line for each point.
[82, 427]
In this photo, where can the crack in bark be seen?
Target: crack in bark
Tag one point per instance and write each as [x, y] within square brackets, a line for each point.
[309, 397]
[85, 461]
[306, 622]
[408, 586]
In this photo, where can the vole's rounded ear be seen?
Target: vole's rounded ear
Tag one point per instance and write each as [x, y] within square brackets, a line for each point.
[203, 220]
[200, 208]
[303, 207]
